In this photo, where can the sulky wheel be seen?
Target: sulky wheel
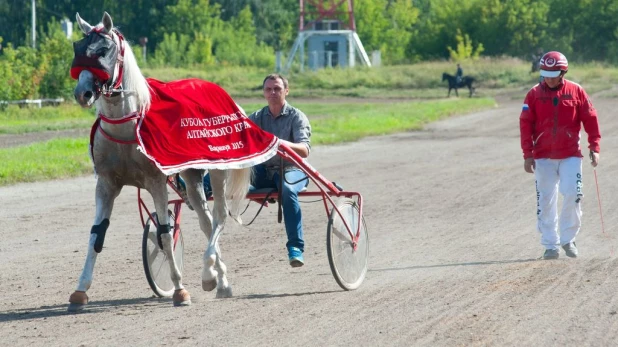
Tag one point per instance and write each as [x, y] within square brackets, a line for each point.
[156, 266]
[348, 265]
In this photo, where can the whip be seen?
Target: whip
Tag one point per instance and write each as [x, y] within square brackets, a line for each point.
[596, 181]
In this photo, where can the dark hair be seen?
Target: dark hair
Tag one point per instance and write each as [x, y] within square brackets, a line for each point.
[275, 76]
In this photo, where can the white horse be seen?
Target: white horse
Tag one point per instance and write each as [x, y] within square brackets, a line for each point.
[109, 78]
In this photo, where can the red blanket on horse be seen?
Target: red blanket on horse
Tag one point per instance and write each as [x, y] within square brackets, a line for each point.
[195, 124]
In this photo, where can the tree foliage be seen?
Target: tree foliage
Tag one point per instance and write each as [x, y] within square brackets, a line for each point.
[203, 33]
[465, 49]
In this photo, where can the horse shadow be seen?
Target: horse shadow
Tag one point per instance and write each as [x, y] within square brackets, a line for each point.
[93, 307]
[466, 81]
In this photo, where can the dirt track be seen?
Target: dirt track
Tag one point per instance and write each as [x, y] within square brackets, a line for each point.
[453, 257]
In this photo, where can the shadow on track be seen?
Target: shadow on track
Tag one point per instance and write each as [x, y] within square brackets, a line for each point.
[270, 296]
[475, 263]
[93, 307]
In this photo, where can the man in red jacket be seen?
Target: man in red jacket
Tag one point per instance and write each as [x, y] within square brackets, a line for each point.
[550, 122]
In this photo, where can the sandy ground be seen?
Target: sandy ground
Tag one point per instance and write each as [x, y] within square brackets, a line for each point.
[453, 257]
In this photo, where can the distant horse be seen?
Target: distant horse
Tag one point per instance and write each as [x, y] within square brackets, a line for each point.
[111, 80]
[466, 81]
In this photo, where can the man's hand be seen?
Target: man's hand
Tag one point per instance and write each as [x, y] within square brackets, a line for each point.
[594, 159]
[529, 165]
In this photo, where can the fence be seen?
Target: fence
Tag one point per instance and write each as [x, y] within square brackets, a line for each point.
[37, 102]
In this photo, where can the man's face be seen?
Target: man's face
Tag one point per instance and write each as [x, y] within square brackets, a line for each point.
[275, 92]
[553, 82]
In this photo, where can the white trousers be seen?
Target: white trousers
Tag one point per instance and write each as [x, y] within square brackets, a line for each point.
[553, 175]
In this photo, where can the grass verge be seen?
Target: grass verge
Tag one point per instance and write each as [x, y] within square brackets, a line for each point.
[15, 120]
[331, 123]
[58, 158]
[342, 122]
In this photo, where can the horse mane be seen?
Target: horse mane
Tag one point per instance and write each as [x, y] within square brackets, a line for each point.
[132, 78]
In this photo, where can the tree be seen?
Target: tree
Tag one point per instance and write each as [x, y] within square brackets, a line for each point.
[402, 16]
[515, 27]
[238, 45]
[464, 49]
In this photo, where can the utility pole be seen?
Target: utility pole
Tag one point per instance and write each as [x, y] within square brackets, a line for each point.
[33, 24]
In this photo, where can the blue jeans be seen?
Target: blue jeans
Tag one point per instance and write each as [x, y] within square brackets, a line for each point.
[292, 215]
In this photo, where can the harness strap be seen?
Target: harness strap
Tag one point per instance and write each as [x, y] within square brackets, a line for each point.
[109, 137]
[131, 116]
[119, 59]
[262, 204]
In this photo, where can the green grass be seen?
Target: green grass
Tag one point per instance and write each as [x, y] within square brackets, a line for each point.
[331, 123]
[58, 158]
[15, 120]
[507, 77]
[419, 81]
[341, 122]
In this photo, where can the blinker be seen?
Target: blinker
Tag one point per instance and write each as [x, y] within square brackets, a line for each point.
[94, 53]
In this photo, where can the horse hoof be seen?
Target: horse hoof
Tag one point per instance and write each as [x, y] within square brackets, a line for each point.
[223, 293]
[181, 298]
[209, 285]
[74, 308]
[77, 301]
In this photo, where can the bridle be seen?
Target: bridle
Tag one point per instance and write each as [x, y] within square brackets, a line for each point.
[107, 79]
[114, 85]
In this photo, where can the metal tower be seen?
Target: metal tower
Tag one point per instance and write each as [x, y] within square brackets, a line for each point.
[332, 40]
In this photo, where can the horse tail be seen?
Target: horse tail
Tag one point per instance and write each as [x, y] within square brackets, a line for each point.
[236, 188]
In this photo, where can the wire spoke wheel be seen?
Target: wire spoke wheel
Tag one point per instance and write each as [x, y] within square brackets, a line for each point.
[348, 265]
[155, 261]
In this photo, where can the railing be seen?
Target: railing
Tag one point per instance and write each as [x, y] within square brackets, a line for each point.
[36, 102]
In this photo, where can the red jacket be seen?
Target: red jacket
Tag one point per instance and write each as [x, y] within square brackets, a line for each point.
[550, 121]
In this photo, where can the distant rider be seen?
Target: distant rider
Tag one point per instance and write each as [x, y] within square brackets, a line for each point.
[459, 74]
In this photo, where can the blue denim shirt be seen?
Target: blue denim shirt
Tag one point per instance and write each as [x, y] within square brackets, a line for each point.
[291, 125]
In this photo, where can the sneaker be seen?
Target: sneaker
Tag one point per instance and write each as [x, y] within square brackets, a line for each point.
[551, 254]
[182, 190]
[570, 249]
[296, 257]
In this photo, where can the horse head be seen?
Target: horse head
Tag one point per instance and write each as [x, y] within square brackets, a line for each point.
[104, 64]
[444, 76]
[97, 63]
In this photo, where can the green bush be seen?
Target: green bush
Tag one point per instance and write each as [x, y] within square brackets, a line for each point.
[20, 77]
[56, 55]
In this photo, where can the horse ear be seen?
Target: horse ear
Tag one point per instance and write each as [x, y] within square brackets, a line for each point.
[107, 22]
[83, 25]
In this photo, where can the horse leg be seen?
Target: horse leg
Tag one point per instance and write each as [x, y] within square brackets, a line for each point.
[104, 197]
[195, 192]
[213, 264]
[158, 190]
